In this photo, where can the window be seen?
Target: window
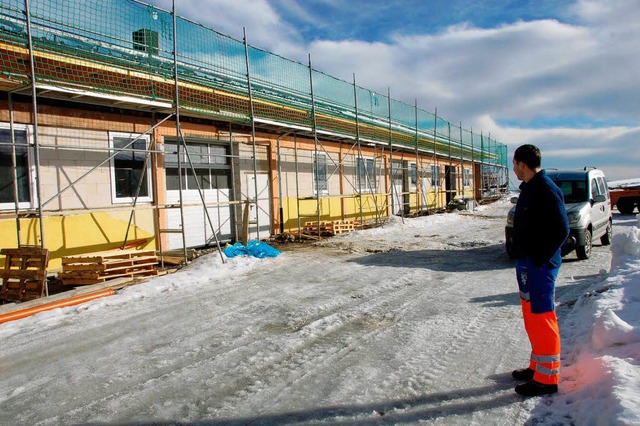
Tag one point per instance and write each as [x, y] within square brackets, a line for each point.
[127, 168]
[602, 185]
[466, 177]
[451, 174]
[320, 173]
[594, 188]
[435, 175]
[413, 176]
[365, 176]
[211, 163]
[21, 171]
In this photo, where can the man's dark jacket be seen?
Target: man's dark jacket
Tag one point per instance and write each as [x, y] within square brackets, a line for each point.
[540, 225]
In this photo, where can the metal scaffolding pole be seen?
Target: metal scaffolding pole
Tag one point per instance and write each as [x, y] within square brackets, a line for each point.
[369, 180]
[461, 180]
[481, 165]
[253, 133]
[295, 157]
[35, 123]
[436, 166]
[359, 158]
[491, 173]
[178, 131]
[279, 161]
[419, 190]
[473, 172]
[392, 191]
[315, 141]
[14, 163]
[449, 198]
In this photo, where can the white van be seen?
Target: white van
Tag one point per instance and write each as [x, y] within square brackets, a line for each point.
[587, 200]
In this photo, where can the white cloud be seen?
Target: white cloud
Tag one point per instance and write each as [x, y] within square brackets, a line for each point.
[540, 70]
[612, 149]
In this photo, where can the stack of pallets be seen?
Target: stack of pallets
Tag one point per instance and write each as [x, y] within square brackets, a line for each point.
[24, 276]
[94, 268]
[329, 227]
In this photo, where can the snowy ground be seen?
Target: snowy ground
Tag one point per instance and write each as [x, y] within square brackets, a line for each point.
[415, 322]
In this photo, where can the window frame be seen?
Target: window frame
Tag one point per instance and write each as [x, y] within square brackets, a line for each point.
[594, 188]
[368, 181]
[28, 129]
[413, 176]
[212, 165]
[316, 163]
[435, 175]
[128, 200]
[602, 186]
[466, 177]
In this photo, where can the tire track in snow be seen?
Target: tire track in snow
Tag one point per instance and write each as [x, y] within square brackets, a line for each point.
[343, 331]
[435, 365]
[322, 331]
[327, 340]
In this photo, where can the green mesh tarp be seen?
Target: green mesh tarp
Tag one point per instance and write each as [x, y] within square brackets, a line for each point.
[124, 50]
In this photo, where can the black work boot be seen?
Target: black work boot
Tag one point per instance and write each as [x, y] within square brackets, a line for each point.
[523, 374]
[533, 388]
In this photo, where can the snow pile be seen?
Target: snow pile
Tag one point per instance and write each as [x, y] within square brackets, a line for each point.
[601, 346]
[191, 279]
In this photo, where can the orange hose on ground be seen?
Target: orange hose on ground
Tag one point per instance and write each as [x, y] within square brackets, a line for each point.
[12, 316]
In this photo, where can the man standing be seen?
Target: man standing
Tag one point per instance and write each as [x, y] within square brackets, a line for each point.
[540, 228]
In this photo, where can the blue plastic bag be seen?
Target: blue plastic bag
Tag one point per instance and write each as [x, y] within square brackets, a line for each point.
[234, 250]
[253, 248]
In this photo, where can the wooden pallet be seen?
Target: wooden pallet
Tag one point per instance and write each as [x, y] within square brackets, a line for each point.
[329, 227]
[24, 276]
[344, 226]
[94, 268]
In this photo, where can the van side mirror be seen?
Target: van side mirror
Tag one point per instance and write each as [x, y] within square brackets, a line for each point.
[514, 200]
[599, 198]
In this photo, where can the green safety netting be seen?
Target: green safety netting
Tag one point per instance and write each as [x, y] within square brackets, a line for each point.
[124, 50]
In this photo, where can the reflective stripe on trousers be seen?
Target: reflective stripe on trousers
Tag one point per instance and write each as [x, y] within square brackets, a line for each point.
[544, 336]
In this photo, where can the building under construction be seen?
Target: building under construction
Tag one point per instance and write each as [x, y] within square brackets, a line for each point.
[126, 126]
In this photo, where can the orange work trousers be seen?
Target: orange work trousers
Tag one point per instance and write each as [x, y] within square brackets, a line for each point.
[544, 336]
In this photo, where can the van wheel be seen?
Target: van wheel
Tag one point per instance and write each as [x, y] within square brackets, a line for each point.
[584, 251]
[606, 238]
[625, 205]
[509, 250]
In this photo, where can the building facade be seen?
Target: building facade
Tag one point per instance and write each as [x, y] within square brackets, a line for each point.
[110, 142]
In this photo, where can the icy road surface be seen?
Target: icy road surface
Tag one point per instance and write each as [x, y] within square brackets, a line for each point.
[417, 321]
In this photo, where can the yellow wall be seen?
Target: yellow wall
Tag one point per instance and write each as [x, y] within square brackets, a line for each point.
[331, 209]
[79, 234]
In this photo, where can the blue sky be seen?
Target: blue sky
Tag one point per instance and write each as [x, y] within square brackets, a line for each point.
[561, 74]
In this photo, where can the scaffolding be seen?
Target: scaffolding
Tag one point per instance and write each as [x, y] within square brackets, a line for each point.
[138, 57]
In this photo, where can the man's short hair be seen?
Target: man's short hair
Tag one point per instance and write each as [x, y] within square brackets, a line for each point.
[529, 155]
